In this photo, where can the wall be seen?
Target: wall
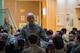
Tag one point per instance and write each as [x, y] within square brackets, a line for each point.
[51, 14]
[67, 7]
[60, 9]
[44, 16]
[78, 16]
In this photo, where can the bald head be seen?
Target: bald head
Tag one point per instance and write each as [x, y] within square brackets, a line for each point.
[30, 18]
[30, 14]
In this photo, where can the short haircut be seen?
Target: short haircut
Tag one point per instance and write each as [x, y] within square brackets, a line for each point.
[60, 33]
[63, 30]
[10, 48]
[58, 42]
[74, 29]
[50, 32]
[2, 45]
[32, 38]
[50, 47]
[72, 32]
[20, 42]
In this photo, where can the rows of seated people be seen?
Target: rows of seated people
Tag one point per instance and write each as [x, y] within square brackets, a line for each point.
[59, 42]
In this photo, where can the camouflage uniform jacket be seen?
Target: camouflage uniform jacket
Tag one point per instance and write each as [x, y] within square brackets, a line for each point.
[77, 49]
[35, 29]
[34, 49]
[8, 27]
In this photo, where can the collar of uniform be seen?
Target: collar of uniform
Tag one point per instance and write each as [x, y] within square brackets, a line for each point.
[31, 25]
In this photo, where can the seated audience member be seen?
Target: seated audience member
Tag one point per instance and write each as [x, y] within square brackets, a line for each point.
[7, 26]
[50, 34]
[33, 48]
[20, 44]
[77, 49]
[71, 42]
[7, 38]
[2, 45]
[59, 34]
[64, 36]
[10, 49]
[50, 48]
[16, 37]
[43, 43]
[58, 42]
[75, 30]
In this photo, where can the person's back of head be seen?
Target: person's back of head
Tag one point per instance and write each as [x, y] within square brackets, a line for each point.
[59, 33]
[74, 29]
[32, 39]
[58, 42]
[50, 32]
[72, 32]
[2, 45]
[21, 43]
[64, 30]
[50, 48]
[10, 48]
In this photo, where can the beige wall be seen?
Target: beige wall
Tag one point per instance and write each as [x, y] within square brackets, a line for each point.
[60, 9]
[67, 7]
[78, 16]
